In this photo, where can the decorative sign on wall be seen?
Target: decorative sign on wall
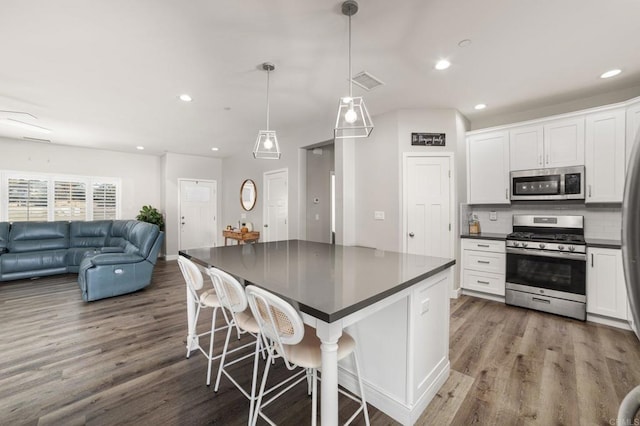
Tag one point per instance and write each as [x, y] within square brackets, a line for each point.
[428, 139]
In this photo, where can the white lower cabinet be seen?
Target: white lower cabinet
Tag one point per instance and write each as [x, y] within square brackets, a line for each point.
[483, 265]
[606, 290]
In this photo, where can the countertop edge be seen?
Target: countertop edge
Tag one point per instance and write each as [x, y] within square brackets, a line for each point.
[603, 243]
[485, 236]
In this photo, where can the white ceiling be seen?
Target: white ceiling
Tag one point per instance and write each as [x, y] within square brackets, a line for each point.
[107, 74]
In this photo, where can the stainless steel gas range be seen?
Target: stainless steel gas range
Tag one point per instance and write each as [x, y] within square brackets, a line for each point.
[546, 264]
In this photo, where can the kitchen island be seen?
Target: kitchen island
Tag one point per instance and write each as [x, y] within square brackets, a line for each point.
[395, 305]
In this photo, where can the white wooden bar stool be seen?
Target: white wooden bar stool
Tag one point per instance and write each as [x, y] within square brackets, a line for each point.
[288, 338]
[196, 301]
[232, 297]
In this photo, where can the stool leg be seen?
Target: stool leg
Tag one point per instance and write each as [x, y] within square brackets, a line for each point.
[213, 327]
[362, 398]
[224, 355]
[254, 379]
[314, 399]
[261, 393]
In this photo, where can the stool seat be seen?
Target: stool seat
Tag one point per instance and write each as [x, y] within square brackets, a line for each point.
[210, 298]
[307, 353]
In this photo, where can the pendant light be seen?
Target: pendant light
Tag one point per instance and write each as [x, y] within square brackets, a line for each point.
[353, 120]
[267, 147]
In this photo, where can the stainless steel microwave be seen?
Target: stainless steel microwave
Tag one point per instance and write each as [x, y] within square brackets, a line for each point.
[564, 183]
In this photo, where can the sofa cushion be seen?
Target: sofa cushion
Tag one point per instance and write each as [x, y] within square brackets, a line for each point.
[89, 234]
[37, 236]
[54, 260]
[142, 236]
[4, 236]
[75, 255]
[119, 232]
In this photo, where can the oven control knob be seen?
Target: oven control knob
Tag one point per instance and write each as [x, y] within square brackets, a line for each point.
[541, 245]
[560, 247]
[524, 245]
[572, 248]
[516, 244]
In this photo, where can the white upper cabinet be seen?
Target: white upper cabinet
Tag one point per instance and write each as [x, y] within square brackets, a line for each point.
[526, 148]
[605, 156]
[488, 168]
[564, 143]
[633, 124]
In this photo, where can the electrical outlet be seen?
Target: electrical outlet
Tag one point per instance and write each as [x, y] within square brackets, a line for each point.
[493, 215]
[378, 215]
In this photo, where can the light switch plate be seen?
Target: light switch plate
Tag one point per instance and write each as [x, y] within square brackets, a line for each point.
[378, 215]
[493, 215]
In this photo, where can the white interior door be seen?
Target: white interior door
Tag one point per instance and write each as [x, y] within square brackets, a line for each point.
[428, 205]
[198, 214]
[275, 206]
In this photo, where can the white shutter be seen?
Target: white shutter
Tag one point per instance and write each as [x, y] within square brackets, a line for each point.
[28, 200]
[104, 201]
[70, 201]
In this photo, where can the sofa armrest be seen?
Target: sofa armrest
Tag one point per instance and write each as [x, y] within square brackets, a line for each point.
[116, 258]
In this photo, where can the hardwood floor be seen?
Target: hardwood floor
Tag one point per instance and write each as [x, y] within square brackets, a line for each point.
[122, 361]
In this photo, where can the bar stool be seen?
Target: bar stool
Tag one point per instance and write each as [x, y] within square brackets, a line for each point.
[195, 302]
[288, 338]
[232, 298]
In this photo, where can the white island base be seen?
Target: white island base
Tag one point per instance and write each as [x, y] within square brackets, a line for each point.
[403, 348]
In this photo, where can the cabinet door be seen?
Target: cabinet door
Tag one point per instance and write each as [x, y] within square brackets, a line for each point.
[564, 143]
[633, 124]
[488, 168]
[604, 157]
[606, 291]
[526, 148]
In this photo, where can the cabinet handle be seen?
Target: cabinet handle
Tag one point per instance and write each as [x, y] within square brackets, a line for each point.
[547, 158]
[592, 260]
[540, 160]
[484, 261]
[483, 245]
[589, 191]
[483, 282]
[506, 193]
[536, 299]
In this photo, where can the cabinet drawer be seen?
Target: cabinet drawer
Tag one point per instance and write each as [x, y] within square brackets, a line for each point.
[485, 282]
[484, 261]
[484, 245]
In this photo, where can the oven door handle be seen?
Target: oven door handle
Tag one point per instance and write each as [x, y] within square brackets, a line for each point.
[557, 254]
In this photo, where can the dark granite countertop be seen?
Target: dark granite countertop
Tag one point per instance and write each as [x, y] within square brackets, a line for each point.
[485, 236]
[603, 243]
[325, 281]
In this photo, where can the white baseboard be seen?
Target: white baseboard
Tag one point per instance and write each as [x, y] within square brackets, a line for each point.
[455, 293]
[481, 295]
[171, 257]
[612, 322]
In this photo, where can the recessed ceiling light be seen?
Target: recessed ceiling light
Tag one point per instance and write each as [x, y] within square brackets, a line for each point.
[214, 149]
[480, 106]
[140, 147]
[186, 98]
[610, 73]
[442, 64]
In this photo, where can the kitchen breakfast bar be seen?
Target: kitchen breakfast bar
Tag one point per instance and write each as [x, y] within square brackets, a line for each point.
[395, 305]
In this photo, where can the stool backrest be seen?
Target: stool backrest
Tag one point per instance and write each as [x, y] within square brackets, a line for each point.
[229, 290]
[192, 275]
[277, 319]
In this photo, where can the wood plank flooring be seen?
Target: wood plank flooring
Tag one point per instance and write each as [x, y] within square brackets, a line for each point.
[122, 361]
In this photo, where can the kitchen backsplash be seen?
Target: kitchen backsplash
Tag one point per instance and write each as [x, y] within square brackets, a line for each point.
[599, 222]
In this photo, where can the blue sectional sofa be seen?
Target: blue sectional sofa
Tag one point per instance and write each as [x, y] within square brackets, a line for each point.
[110, 257]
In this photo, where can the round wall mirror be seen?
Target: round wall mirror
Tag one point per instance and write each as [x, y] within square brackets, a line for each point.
[248, 194]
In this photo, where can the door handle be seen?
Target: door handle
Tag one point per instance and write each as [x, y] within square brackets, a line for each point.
[266, 225]
[182, 223]
[411, 234]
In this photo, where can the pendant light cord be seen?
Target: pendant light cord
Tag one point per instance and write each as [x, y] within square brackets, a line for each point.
[350, 82]
[268, 99]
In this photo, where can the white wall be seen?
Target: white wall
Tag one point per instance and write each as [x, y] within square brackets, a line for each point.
[320, 164]
[140, 174]
[178, 166]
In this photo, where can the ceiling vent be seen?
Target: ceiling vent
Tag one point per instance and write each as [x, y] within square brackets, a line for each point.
[366, 81]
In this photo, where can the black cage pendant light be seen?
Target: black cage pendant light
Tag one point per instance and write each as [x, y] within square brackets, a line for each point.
[353, 120]
[267, 147]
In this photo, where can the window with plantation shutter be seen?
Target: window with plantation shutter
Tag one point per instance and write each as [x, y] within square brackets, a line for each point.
[70, 200]
[104, 201]
[27, 199]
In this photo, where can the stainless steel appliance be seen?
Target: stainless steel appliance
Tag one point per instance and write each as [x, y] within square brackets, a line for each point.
[566, 183]
[546, 264]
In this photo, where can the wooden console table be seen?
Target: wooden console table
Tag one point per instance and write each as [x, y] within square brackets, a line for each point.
[241, 238]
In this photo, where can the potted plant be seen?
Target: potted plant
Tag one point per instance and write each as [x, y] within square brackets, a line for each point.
[151, 215]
